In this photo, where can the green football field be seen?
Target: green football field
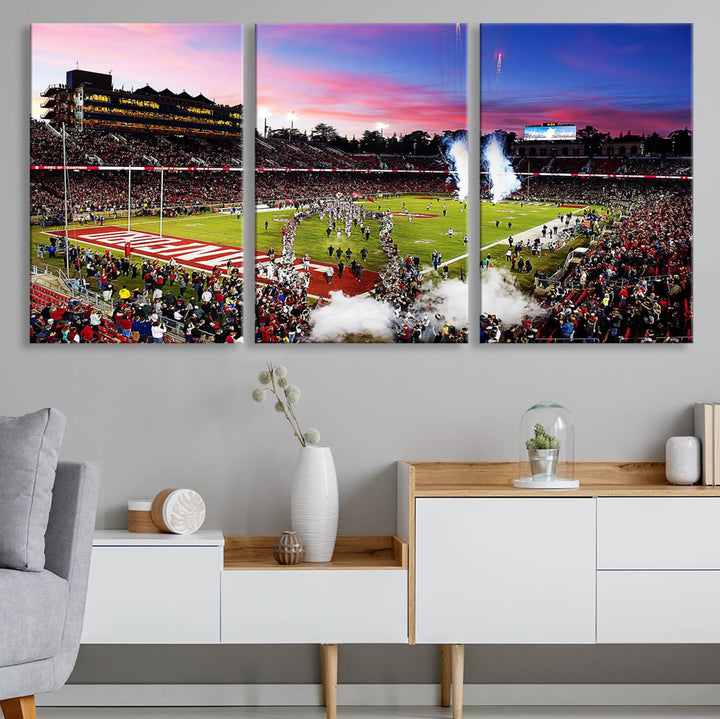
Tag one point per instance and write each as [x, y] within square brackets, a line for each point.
[419, 236]
[210, 227]
[523, 218]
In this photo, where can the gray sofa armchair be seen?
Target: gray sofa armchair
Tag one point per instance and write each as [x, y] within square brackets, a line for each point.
[41, 613]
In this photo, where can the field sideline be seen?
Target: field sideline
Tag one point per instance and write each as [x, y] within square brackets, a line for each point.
[523, 218]
[418, 237]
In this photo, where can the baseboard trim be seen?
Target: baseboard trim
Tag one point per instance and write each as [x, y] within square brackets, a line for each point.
[251, 695]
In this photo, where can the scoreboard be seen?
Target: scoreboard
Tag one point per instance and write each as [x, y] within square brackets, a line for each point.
[550, 131]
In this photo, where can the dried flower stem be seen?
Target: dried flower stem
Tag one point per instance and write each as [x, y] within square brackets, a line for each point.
[286, 407]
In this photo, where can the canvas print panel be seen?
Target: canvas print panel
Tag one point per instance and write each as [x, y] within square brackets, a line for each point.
[361, 183]
[586, 182]
[136, 183]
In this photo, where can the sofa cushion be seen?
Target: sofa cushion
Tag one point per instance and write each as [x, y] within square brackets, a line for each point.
[32, 615]
[29, 447]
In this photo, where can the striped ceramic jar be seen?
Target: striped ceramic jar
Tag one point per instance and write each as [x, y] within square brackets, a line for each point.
[288, 548]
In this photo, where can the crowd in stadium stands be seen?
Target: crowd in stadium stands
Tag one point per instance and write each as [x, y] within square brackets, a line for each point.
[568, 164]
[106, 191]
[605, 165]
[299, 186]
[55, 318]
[272, 152]
[595, 191]
[645, 165]
[633, 285]
[199, 306]
[281, 309]
[93, 147]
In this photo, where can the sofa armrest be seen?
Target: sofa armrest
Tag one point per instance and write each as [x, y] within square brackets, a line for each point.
[68, 545]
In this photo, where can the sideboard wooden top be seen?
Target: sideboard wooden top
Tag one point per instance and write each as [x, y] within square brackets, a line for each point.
[597, 479]
[351, 552]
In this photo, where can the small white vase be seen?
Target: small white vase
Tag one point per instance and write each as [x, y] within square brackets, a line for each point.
[314, 503]
[682, 460]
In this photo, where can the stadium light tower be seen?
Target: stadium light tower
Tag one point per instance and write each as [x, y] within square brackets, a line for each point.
[265, 114]
[292, 116]
[381, 126]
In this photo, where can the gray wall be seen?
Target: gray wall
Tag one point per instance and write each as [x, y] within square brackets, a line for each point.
[184, 417]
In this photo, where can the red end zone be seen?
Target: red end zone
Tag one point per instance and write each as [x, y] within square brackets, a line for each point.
[206, 256]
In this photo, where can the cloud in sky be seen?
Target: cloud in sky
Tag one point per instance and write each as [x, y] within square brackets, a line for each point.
[354, 76]
[194, 57]
[619, 77]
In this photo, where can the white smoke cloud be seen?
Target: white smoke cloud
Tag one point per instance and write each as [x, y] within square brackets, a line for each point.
[455, 151]
[503, 180]
[346, 316]
[501, 298]
[449, 298]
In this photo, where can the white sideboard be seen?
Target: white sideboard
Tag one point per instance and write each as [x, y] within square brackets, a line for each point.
[627, 558]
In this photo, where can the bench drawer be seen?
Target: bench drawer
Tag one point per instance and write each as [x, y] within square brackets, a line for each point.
[314, 607]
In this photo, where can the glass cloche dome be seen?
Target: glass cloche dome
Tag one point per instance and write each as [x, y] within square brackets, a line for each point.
[547, 448]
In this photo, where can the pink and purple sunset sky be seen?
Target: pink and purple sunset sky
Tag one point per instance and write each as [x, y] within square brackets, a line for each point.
[618, 78]
[354, 76]
[194, 57]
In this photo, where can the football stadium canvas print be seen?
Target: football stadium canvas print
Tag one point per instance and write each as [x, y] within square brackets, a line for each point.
[361, 183]
[136, 183]
[586, 183]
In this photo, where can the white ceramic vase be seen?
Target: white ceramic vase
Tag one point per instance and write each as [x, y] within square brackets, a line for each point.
[314, 503]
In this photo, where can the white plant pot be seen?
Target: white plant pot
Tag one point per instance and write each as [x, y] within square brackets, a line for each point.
[314, 503]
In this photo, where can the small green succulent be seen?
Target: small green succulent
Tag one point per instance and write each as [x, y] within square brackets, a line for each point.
[542, 440]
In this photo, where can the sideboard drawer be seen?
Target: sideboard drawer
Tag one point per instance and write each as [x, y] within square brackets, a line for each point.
[658, 607]
[658, 532]
[308, 606]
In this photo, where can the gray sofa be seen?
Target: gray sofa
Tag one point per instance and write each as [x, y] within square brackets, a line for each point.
[41, 613]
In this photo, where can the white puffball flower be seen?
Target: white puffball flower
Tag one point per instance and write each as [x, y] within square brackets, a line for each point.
[279, 406]
[292, 392]
[264, 377]
[280, 371]
[258, 394]
[312, 436]
[282, 382]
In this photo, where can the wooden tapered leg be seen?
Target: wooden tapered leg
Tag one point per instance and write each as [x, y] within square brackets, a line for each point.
[445, 676]
[322, 673]
[329, 661]
[457, 652]
[20, 708]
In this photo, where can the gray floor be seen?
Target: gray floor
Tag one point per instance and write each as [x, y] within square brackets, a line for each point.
[386, 712]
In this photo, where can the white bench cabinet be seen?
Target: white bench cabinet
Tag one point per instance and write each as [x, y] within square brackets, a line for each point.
[154, 588]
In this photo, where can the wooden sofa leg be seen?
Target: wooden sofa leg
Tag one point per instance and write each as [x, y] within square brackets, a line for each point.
[20, 708]
[445, 675]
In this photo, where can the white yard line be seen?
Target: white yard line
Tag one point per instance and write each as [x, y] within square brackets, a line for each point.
[533, 232]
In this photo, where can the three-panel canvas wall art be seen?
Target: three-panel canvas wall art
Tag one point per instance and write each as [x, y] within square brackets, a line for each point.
[362, 184]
